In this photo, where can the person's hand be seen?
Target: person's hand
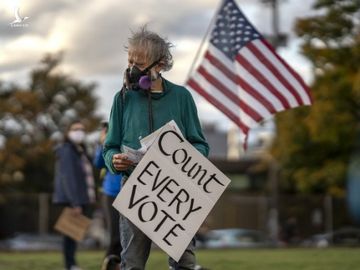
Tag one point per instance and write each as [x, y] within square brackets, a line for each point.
[77, 210]
[121, 162]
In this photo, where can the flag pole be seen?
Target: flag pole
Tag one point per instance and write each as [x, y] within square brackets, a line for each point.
[202, 42]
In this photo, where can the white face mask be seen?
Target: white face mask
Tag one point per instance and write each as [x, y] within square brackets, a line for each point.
[76, 136]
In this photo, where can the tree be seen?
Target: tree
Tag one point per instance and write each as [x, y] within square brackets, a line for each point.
[314, 144]
[32, 121]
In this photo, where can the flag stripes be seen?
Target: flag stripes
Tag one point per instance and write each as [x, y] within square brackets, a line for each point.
[247, 88]
[218, 105]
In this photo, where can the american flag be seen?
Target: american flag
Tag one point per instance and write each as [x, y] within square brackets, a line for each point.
[242, 75]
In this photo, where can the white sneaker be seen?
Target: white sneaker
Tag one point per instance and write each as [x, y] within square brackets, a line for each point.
[74, 267]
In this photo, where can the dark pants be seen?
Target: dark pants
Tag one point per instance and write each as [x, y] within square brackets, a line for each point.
[69, 250]
[112, 223]
[69, 245]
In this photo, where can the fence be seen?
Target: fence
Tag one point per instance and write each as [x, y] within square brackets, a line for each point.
[34, 213]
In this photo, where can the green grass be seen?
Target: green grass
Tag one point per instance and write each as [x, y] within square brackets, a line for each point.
[272, 259]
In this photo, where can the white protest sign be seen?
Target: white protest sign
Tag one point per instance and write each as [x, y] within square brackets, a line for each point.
[150, 139]
[171, 192]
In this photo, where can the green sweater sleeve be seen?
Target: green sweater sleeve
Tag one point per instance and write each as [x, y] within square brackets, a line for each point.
[193, 129]
[112, 144]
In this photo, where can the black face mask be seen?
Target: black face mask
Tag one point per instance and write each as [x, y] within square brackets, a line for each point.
[135, 74]
[139, 79]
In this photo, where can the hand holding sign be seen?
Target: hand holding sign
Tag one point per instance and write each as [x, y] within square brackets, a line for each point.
[121, 162]
[171, 191]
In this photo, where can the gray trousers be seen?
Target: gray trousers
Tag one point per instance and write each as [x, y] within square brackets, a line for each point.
[136, 249]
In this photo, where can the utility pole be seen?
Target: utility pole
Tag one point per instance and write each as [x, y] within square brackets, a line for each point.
[277, 40]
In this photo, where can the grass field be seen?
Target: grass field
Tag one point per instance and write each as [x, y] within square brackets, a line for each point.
[272, 259]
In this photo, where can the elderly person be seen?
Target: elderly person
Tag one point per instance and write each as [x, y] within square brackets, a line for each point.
[147, 102]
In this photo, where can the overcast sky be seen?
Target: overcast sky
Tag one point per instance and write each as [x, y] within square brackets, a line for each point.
[93, 33]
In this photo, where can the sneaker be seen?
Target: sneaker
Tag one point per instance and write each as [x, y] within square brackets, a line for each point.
[75, 267]
[111, 262]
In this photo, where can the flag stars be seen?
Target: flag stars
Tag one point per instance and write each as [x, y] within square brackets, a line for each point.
[232, 31]
[231, 21]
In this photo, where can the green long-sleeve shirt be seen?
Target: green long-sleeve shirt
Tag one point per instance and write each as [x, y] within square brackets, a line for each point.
[129, 124]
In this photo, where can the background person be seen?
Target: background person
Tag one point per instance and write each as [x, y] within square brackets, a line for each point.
[73, 183]
[111, 186]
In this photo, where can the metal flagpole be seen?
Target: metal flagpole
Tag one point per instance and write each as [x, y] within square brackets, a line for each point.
[203, 41]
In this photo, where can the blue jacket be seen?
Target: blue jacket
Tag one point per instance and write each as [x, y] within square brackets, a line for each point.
[112, 182]
[70, 185]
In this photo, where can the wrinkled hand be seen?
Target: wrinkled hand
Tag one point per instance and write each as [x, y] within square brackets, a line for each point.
[121, 162]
